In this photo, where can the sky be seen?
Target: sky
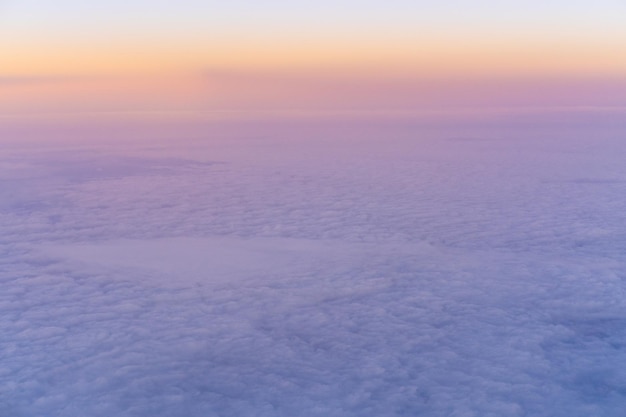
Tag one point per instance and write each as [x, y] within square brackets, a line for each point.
[197, 56]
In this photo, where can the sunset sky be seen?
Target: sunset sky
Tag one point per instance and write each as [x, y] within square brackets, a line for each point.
[192, 55]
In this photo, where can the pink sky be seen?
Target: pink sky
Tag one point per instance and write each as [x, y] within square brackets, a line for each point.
[318, 56]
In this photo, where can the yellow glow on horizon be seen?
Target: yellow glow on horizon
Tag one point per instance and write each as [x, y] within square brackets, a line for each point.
[276, 74]
[418, 57]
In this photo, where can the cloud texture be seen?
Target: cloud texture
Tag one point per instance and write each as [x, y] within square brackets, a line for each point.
[341, 272]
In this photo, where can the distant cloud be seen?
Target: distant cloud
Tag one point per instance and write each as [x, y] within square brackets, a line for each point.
[371, 90]
[44, 79]
[250, 90]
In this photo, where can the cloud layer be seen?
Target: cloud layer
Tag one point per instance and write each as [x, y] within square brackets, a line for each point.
[340, 272]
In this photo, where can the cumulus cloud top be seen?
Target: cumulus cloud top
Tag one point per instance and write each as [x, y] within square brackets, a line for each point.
[325, 276]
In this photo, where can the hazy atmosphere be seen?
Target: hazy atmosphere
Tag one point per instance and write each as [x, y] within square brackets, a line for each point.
[312, 208]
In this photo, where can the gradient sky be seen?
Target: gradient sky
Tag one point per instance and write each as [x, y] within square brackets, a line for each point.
[140, 55]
